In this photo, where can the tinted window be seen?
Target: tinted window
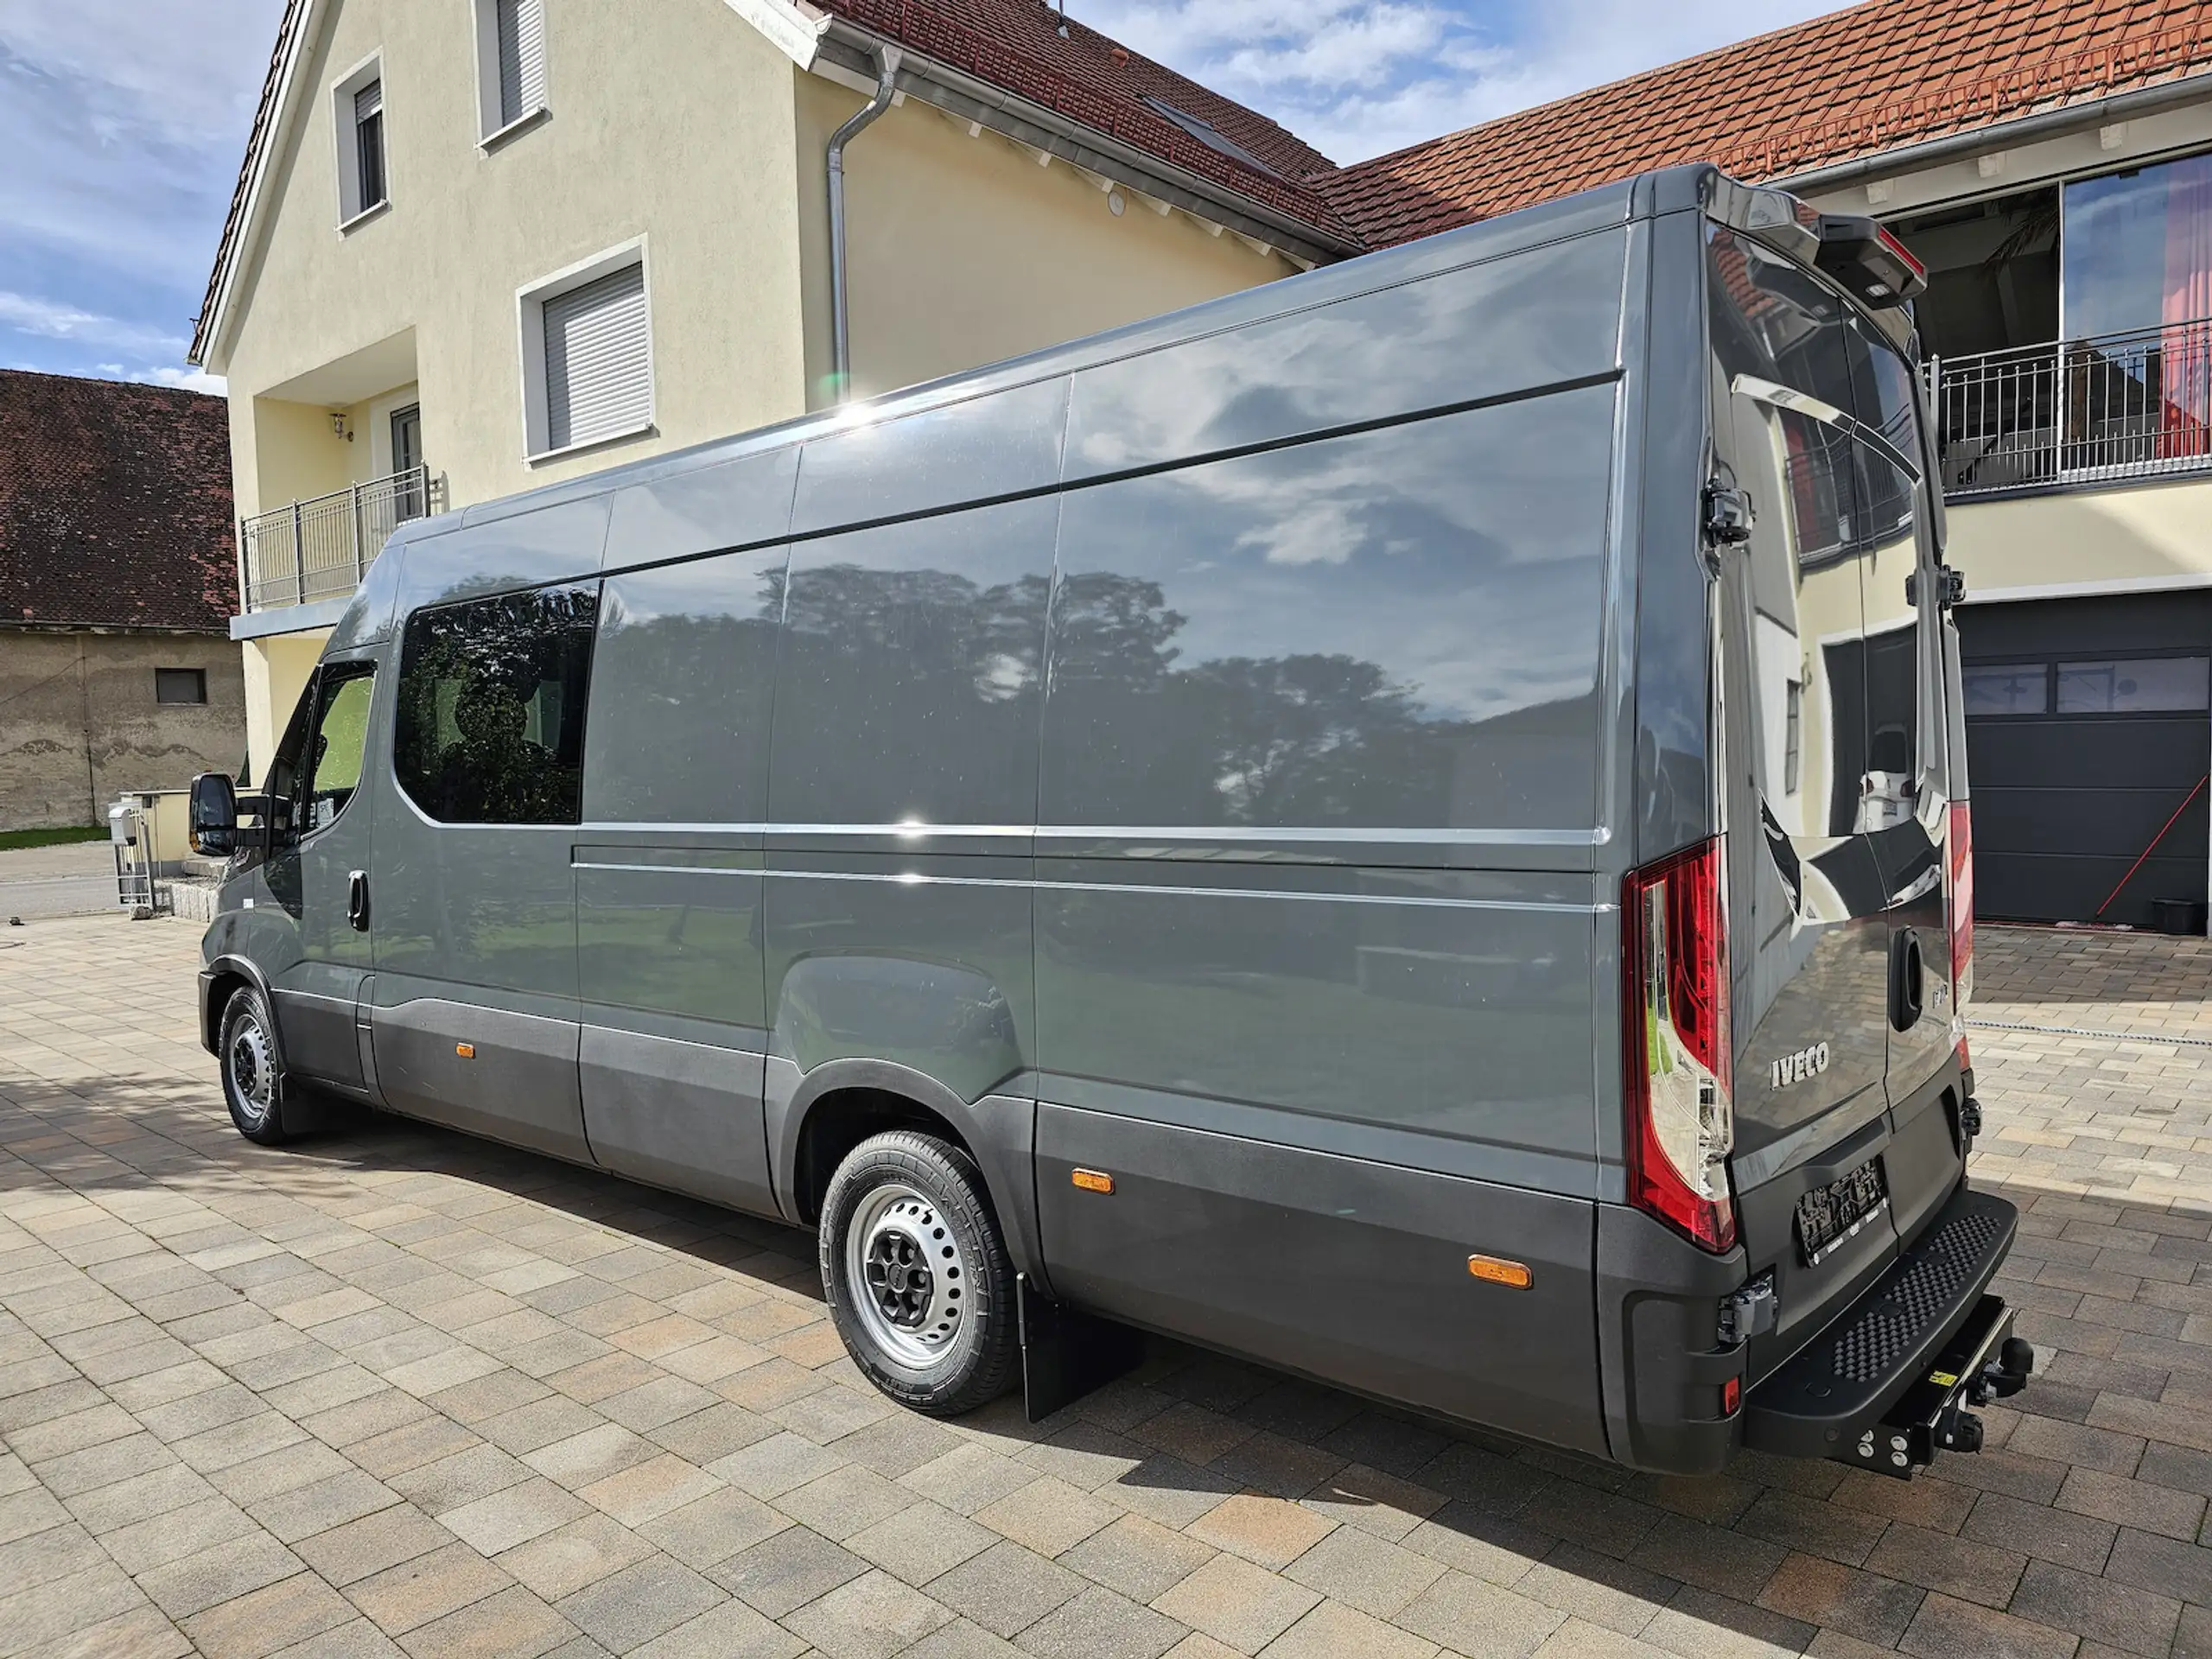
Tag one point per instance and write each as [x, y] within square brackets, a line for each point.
[180, 685]
[679, 721]
[491, 708]
[333, 758]
[2007, 688]
[2143, 686]
[1397, 629]
[911, 671]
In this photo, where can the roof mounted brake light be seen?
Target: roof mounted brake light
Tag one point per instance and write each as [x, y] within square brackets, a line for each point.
[1868, 260]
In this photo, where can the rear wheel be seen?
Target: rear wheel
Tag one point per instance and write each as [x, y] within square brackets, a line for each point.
[253, 1081]
[917, 1275]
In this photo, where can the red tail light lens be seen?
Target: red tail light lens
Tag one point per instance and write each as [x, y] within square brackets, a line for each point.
[1958, 898]
[1675, 1050]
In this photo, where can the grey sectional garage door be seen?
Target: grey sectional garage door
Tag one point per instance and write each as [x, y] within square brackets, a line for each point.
[2086, 727]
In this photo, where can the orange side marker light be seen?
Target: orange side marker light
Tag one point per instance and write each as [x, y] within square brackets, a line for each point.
[1497, 1270]
[466, 1051]
[1093, 1180]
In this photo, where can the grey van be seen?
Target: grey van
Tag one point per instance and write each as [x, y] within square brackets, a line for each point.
[1407, 824]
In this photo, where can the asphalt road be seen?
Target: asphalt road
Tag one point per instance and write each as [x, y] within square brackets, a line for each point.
[42, 881]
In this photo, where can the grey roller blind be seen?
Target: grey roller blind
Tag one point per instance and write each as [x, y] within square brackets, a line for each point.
[522, 57]
[369, 101]
[598, 360]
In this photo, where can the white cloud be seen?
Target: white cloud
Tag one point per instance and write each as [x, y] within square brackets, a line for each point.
[183, 379]
[55, 320]
[1359, 78]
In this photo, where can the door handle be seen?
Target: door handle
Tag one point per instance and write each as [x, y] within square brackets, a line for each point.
[357, 900]
[1908, 978]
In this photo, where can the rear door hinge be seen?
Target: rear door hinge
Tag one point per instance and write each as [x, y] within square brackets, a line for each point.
[1750, 1311]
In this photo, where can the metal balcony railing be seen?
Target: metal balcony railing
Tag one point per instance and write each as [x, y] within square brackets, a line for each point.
[2075, 411]
[322, 548]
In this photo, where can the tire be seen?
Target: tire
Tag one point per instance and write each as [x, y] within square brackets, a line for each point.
[253, 1080]
[917, 1275]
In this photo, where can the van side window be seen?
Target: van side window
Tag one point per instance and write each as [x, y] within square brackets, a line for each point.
[334, 757]
[491, 714]
[1396, 629]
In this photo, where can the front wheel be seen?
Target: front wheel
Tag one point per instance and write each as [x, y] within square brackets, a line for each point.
[917, 1274]
[253, 1082]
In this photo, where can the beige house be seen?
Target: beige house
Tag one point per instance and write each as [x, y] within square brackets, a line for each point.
[482, 244]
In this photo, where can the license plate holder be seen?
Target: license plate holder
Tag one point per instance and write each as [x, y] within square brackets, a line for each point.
[1829, 1216]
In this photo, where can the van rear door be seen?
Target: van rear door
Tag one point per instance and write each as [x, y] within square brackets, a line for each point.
[1810, 936]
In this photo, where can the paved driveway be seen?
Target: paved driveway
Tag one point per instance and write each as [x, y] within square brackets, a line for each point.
[400, 1388]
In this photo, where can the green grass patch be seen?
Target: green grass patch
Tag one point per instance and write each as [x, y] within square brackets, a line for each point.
[12, 839]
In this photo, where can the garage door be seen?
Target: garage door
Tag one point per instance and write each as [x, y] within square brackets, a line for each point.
[2087, 730]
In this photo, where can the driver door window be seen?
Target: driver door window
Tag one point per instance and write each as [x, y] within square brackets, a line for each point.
[332, 765]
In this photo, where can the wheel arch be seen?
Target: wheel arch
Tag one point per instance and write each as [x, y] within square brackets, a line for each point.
[816, 1118]
[226, 975]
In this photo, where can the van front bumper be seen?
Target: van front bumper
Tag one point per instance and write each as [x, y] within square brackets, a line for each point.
[1901, 1356]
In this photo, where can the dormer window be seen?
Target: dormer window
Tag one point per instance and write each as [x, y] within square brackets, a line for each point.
[1209, 134]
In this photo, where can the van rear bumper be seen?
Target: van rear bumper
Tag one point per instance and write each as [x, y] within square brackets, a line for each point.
[1841, 1384]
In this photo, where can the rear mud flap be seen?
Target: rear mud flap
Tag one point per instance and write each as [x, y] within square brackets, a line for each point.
[1067, 1353]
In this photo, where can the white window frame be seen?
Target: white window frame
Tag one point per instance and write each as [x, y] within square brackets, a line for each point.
[494, 132]
[345, 134]
[530, 307]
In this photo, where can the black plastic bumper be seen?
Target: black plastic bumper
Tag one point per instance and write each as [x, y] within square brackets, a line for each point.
[1840, 1385]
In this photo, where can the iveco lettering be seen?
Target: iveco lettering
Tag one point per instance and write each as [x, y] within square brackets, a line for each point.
[1407, 824]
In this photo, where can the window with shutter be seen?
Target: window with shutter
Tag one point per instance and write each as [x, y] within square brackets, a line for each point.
[368, 144]
[598, 360]
[520, 26]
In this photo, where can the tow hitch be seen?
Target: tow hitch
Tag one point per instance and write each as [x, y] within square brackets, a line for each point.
[1983, 1361]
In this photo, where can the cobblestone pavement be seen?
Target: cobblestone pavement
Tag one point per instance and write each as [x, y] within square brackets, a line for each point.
[395, 1389]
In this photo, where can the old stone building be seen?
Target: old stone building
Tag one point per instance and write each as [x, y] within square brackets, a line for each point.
[118, 581]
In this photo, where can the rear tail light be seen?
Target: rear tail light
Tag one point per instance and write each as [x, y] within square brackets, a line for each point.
[1675, 1050]
[1958, 899]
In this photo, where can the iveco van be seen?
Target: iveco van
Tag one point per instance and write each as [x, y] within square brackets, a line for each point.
[1408, 824]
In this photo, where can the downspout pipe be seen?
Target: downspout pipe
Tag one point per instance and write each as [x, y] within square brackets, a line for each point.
[841, 349]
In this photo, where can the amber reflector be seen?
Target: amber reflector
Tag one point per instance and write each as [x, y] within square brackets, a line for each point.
[1093, 1180]
[466, 1051]
[1515, 1275]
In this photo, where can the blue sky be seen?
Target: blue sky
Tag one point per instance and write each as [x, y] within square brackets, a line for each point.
[125, 121]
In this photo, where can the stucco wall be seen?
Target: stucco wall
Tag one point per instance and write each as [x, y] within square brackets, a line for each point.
[964, 250]
[82, 724]
[2148, 534]
[671, 121]
[276, 671]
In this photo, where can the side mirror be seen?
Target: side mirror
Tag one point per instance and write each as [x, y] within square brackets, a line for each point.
[214, 815]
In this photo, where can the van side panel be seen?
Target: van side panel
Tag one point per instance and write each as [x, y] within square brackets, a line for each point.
[902, 799]
[1542, 317]
[668, 864]
[1344, 1269]
[1319, 814]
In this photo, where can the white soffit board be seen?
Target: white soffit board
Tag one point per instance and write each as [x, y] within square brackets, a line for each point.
[794, 30]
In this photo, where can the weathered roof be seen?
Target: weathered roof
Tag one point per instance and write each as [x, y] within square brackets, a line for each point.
[115, 505]
[1872, 77]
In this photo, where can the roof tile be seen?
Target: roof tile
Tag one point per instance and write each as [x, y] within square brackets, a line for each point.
[115, 505]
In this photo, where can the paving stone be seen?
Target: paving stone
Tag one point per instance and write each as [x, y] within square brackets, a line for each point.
[729, 1630]
[1947, 1629]
[1364, 1571]
[1467, 1614]
[2136, 1621]
[564, 1560]
[1047, 1516]
[1006, 1589]
[2136, 1503]
[359, 1549]
[873, 1617]
[919, 1541]
[1099, 1624]
[1236, 1603]
[404, 1598]
[1861, 1603]
[710, 1529]
[1333, 1629]
[277, 1615]
[787, 1570]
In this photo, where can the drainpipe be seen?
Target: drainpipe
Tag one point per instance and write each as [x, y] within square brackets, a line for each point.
[886, 69]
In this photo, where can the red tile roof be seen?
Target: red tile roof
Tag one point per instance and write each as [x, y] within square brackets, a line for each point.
[1875, 77]
[1086, 76]
[115, 505]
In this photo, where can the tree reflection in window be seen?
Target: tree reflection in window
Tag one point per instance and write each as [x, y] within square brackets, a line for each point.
[492, 698]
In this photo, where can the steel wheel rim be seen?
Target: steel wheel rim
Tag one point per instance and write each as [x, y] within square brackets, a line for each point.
[905, 1275]
[252, 1066]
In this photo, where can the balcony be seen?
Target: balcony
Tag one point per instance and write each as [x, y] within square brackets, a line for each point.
[321, 547]
[2076, 412]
